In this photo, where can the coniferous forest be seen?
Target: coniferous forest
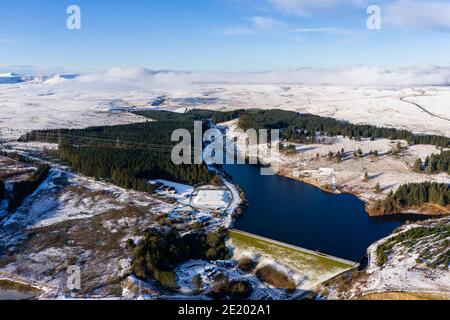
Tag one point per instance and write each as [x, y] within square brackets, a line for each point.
[435, 163]
[413, 195]
[416, 194]
[128, 155]
[303, 128]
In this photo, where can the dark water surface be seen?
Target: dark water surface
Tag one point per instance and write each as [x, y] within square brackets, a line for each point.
[299, 214]
[14, 295]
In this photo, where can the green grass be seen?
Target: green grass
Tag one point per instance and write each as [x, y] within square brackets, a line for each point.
[317, 268]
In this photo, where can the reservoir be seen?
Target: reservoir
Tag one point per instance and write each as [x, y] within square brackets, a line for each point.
[14, 295]
[296, 213]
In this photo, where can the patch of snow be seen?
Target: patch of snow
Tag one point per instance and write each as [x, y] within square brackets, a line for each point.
[212, 199]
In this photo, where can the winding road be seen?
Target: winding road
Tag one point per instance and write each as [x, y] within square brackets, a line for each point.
[421, 94]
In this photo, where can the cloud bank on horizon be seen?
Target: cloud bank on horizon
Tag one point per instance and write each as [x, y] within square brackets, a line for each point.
[145, 79]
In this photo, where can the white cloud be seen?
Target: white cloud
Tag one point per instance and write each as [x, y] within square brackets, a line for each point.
[417, 14]
[410, 14]
[260, 25]
[257, 25]
[267, 23]
[324, 30]
[124, 79]
[307, 7]
[238, 31]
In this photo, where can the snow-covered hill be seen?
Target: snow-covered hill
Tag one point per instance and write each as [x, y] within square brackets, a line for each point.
[76, 101]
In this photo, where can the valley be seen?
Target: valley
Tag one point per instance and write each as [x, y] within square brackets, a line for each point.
[96, 211]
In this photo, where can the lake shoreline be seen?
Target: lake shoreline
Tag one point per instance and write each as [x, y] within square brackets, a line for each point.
[287, 204]
[419, 211]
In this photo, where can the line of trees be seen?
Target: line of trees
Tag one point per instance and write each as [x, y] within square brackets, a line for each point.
[303, 128]
[195, 114]
[434, 163]
[414, 195]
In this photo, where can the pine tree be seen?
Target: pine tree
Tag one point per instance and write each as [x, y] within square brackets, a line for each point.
[338, 157]
[441, 202]
[378, 188]
[197, 283]
[366, 177]
[418, 165]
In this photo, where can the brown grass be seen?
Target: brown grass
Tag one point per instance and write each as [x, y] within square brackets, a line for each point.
[247, 265]
[16, 286]
[275, 278]
[405, 296]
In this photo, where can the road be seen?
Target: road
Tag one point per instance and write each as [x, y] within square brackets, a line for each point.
[234, 203]
[235, 194]
[421, 94]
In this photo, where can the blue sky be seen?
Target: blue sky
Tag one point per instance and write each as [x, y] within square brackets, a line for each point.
[229, 35]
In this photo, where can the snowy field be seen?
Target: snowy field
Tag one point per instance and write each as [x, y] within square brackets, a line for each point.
[403, 273]
[206, 197]
[405, 270]
[93, 100]
[360, 105]
[30, 106]
[64, 196]
[212, 199]
[181, 189]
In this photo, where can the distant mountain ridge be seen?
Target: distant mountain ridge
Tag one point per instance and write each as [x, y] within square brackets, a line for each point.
[10, 77]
